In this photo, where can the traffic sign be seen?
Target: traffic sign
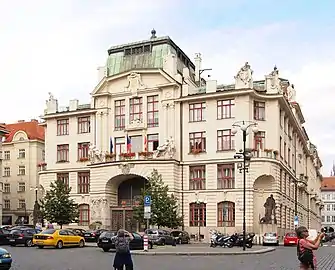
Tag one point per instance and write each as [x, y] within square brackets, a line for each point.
[147, 209]
[296, 221]
[147, 215]
[147, 200]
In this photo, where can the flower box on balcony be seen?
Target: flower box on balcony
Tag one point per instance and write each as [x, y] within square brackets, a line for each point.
[196, 151]
[41, 164]
[83, 159]
[268, 150]
[110, 156]
[145, 154]
[127, 155]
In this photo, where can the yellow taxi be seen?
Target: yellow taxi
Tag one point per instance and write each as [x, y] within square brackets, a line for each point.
[58, 238]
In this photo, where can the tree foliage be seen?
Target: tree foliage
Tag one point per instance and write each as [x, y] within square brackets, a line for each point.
[164, 207]
[57, 206]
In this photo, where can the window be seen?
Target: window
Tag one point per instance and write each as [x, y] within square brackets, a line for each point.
[226, 176]
[285, 156]
[328, 218]
[120, 114]
[198, 141]
[281, 117]
[197, 111]
[259, 140]
[226, 214]
[22, 153]
[259, 110]
[62, 153]
[328, 206]
[7, 204]
[22, 204]
[7, 188]
[333, 218]
[152, 142]
[152, 110]
[323, 218]
[197, 177]
[84, 215]
[6, 171]
[197, 214]
[84, 124]
[6, 155]
[120, 146]
[63, 127]
[289, 157]
[135, 105]
[225, 108]
[83, 150]
[280, 146]
[22, 170]
[225, 140]
[64, 177]
[43, 155]
[83, 182]
[22, 187]
[136, 144]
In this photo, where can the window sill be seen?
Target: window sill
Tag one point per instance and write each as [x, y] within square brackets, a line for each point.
[119, 129]
[62, 134]
[88, 132]
[260, 119]
[225, 150]
[21, 191]
[225, 118]
[83, 160]
[20, 174]
[198, 153]
[200, 121]
[58, 162]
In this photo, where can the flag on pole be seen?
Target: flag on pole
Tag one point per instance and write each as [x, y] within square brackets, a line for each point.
[111, 146]
[145, 143]
[128, 144]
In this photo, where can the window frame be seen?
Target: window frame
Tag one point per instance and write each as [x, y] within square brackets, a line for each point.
[83, 179]
[223, 181]
[230, 210]
[225, 109]
[221, 140]
[197, 210]
[197, 177]
[197, 112]
[151, 141]
[83, 149]
[84, 124]
[133, 113]
[7, 203]
[119, 114]
[259, 110]
[21, 170]
[194, 137]
[153, 101]
[63, 152]
[64, 177]
[259, 140]
[63, 127]
[84, 208]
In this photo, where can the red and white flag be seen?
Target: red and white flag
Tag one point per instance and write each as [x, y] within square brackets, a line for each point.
[145, 144]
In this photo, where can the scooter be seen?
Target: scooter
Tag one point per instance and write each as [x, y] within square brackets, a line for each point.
[218, 239]
[237, 240]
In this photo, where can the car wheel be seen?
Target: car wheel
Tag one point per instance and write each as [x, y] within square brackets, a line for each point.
[28, 243]
[163, 243]
[105, 249]
[40, 247]
[59, 245]
[81, 243]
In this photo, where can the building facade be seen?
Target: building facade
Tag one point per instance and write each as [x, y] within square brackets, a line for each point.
[328, 197]
[151, 98]
[3, 134]
[22, 158]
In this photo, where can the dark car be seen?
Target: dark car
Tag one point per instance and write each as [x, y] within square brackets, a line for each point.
[5, 259]
[4, 233]
[93, 235]
[160, 237]
[22, 236]
[181, 237]
[80, 232]
[107, 239]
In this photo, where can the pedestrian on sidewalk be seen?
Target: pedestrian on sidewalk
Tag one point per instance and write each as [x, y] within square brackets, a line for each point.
[305, 248]
[122, 255]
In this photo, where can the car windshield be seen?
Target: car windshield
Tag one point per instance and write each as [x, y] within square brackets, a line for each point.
[50, 231]
[107, 234]
[271, 234]
[291, 235]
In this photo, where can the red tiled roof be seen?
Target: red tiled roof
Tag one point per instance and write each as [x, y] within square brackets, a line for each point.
[328, 183]
[32, 128]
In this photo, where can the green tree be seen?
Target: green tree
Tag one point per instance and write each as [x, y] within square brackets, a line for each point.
[57, 206]
[164, 207]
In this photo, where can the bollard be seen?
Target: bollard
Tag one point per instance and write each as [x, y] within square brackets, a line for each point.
[145, 243]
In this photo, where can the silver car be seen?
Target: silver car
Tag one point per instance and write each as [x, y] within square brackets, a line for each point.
[270, 238]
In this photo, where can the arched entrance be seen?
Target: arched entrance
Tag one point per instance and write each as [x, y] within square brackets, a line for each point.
[128, 189]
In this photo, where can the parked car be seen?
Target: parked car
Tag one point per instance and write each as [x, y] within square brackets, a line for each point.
[160, 237]
[270, 238]
[77, 231]
[107, 241]
[4, 233]
[23, 236]
[58, 238]
[5, 259]
[93, 235]
[290, 239]
[181, 237]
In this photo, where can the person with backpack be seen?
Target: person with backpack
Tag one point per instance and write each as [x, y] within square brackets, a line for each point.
[305, 248]
[122, 255]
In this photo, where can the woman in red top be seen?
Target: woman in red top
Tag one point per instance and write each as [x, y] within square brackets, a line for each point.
[302, 233]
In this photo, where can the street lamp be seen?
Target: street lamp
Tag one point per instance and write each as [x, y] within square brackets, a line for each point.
[36, 211]
[244, 126]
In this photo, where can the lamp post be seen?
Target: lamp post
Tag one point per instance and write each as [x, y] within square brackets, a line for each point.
[36, 211]
[244, 126]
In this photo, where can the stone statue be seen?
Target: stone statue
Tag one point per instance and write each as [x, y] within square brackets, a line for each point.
[95, 154]
[272, 82]
[134, 83]
[270, 211]
[167, 148]
[291, 93]
[51, 96]
[243, 79]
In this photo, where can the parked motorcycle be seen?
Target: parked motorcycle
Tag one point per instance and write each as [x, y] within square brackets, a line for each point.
[237, 240]
[218, 239]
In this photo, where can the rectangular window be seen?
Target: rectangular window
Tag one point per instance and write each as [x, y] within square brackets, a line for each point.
[84, 124]
[153, 142]
[285, 124]
[197, 177]
[328, 207]
[6, 155]
[120, 114]
[285, 156]
[7, 204]
[225, 108]
[22, 204]
[197, 141]
[6, 188]
[197, 214]
[289, 157]
[259, 140]
[136, 144]
[22, 187]
[333, 218]
[83, 150]
[152, 110]
[84, 215]
[83, 182]
[323, 218]
[119, 145]
[63, 153]
[6, 172]
[64, 177]
[22, 170]
[135, 106]
[226, 214]
[259, 110]
[197, 112]
[225, 140]
[22, 153]
[281, 117]
[63, 127]
[281, 146]
[328, 218]
[226, 176]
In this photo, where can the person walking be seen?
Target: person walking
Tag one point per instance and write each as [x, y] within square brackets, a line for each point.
[122, 255]
[305, 248]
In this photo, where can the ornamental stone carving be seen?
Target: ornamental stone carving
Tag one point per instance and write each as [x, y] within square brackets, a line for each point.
[167, 149]
[272, 82]
[95, 155]
[98, 206]
[126, 167]
[243, 79]
[135, 83]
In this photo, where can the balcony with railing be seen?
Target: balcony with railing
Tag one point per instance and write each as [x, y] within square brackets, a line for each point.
[264, 153]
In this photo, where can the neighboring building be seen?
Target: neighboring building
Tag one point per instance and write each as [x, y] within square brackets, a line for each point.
[3, 134]
[150, 95]
[22, 156]
[328, 197]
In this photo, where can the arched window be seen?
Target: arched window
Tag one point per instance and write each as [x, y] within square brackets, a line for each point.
[197, 214]
[226, 214]
[84, 215]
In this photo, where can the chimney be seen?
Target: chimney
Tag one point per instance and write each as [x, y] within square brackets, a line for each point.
[20, 121]
[74, 105]
[197, 61]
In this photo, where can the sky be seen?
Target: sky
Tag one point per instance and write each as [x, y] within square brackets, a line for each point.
[56, 46]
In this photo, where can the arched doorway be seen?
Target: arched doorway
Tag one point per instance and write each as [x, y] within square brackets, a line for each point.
[128, 189]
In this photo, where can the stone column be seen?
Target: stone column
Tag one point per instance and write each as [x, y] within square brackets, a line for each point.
[166, 120]
[173, 120]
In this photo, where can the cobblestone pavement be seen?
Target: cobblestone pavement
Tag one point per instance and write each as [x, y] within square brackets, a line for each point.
[284, 258]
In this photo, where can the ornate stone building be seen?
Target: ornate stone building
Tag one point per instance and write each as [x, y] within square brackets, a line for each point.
[151, 109]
